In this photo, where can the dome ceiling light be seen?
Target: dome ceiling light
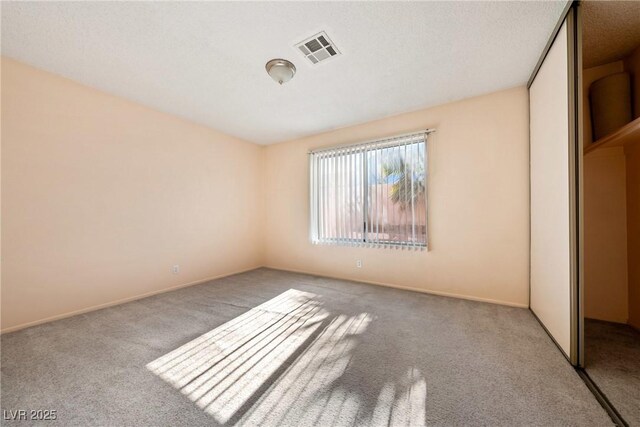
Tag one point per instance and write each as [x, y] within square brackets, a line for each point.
[280, 70]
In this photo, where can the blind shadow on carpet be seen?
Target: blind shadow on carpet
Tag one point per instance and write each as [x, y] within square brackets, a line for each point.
[286, 361]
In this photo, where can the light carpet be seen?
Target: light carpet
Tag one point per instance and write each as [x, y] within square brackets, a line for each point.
[274, 348]
[612, 360]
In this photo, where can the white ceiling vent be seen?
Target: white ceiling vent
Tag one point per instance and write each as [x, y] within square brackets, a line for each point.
[318, 48]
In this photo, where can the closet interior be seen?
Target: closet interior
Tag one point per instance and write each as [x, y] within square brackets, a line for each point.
[611, 201]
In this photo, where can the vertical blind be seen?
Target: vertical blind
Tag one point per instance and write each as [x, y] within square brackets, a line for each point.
[371, 194]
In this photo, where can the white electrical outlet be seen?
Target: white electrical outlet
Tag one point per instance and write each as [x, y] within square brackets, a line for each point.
[359, 263]
[175, 269]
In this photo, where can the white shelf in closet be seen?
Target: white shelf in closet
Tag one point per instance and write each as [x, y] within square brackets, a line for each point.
[625, 135]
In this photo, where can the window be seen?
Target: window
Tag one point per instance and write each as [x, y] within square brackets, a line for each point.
[371, 194]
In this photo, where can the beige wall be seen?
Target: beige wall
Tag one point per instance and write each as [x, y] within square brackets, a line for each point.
[101, 197]
[478, 198]
[632, 152]
[98, 198]
[605, 235]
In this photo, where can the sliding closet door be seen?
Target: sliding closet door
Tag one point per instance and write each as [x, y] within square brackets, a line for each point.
[555, 163]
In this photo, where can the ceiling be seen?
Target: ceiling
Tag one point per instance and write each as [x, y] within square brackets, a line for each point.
[611, 31]
[204, 61]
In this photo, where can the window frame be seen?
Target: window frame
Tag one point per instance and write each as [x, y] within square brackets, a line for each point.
[364, 148]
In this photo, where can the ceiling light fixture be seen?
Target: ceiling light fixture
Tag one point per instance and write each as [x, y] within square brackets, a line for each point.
[280, 70]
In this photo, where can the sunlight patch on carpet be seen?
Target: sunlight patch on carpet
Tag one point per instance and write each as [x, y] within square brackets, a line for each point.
[282, 362]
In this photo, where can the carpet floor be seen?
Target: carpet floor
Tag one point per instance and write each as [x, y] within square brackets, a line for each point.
[274, 348]
[612, 360]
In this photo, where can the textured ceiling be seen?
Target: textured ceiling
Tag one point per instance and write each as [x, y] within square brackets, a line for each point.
[611, 31]
[204, 61]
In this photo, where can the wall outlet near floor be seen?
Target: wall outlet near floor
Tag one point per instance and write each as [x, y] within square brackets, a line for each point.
[359, 263]
[175, 269]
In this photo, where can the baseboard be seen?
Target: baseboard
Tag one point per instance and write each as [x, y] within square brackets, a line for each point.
[119, 301]
[407, 288]
[207, 279]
